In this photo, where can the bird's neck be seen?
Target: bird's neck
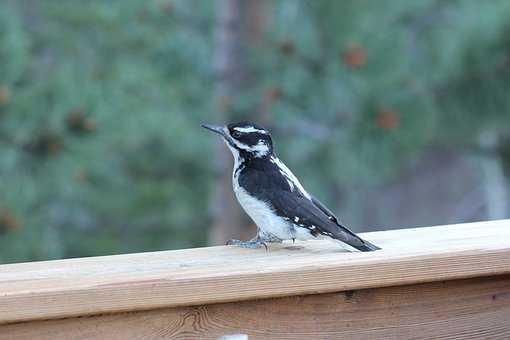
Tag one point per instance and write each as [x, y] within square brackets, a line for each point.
[254, 160]
[244, 160]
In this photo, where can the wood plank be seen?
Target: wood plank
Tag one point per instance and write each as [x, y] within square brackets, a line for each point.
[66, 288]
[463, 309]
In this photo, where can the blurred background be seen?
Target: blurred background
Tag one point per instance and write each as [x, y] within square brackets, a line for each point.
[395, 114]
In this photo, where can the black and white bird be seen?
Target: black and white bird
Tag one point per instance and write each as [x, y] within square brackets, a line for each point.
[273, 197]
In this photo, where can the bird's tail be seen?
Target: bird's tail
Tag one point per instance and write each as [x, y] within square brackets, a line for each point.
[349, 237]
[366, 246]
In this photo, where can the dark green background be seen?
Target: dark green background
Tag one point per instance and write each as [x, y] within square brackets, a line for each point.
[100, 104]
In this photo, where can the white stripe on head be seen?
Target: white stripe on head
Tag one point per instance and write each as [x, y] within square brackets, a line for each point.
[250, 129]
[239, 144]
[260, 149]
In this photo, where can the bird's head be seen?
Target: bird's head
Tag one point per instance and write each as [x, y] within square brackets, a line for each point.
[244, 139]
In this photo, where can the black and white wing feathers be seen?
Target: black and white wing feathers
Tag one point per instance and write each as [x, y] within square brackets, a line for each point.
[324, 209]
[314, 216]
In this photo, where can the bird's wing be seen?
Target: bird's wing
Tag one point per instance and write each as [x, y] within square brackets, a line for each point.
[325, 210]
[315, 217]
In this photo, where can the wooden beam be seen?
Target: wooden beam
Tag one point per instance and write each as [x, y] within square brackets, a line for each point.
[113, 284]
[462, 309]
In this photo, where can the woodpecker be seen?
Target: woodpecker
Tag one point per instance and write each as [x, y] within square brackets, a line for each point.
[273, 197]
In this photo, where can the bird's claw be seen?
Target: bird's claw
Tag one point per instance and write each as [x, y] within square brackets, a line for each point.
[252, 244]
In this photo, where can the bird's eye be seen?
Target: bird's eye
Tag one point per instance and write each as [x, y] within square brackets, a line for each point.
[236, 134]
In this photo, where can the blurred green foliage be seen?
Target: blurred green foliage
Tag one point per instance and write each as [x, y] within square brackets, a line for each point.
[101, 101]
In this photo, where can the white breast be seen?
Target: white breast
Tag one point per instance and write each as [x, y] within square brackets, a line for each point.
[260, 212]
[267, 221]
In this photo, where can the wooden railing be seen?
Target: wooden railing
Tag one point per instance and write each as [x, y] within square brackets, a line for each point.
[446, 281]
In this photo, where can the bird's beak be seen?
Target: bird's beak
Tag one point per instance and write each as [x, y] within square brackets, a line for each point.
[215, 128]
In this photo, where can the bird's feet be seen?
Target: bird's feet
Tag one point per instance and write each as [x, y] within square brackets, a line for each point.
[251, 244]
[271, 239]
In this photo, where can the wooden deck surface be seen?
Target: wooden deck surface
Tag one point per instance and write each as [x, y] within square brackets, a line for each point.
[146, 281]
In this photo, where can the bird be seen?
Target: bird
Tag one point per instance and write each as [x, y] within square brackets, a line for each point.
[273, 196]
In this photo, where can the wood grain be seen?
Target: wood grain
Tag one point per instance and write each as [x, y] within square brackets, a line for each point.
[112, 284]
[462, 309]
